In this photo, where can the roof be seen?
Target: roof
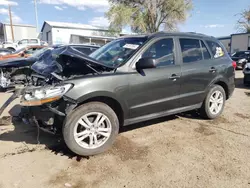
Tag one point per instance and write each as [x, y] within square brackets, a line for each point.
[98, 37]
[224, 38]
[240, 34]
[72, 26]
[21, 25]
[162, 34]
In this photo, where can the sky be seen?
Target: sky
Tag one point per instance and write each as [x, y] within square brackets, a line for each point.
[212, 17]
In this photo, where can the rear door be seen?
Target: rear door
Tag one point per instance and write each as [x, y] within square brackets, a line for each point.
[197, 71]
[156, 90]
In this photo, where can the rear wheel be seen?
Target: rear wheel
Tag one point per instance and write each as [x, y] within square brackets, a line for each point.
[214, 102]
[91, 129]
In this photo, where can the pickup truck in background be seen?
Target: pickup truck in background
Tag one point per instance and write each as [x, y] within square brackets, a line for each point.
[21, 44]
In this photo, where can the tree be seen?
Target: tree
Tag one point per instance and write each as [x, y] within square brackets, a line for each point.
[147, 16]
[244, 21]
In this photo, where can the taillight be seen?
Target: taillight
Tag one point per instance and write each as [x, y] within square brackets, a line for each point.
[234, 64]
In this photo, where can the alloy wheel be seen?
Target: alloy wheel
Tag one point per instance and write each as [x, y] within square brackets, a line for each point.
[216, 102]
[92, 130]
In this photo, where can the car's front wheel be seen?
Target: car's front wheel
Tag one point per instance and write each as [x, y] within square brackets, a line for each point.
[214, 102]
[90, 129]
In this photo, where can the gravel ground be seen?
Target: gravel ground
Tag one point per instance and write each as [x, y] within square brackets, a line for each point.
[176, 151]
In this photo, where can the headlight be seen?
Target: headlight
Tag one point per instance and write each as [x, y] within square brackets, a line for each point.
[44, 95]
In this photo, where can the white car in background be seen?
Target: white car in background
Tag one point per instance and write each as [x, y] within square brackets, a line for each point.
[22, 43]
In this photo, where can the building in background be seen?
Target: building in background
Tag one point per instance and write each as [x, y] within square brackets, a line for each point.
[64, 33]
[236, 42]
[226, 41]
[95, 40]
[20, 32]
[240, 42]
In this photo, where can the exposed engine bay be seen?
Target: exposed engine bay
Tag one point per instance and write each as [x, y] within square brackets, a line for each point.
[54, 66]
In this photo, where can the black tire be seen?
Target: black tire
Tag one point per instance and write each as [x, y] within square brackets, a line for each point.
[73, 117]
[204, 110]
[245, 82]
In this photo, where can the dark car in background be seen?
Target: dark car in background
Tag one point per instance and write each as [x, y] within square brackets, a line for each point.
[131, 79]
[4, 51]
[241, 58]
[246, 72]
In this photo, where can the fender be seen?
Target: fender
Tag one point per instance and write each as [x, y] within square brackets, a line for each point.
[219, 78]
[108, 94]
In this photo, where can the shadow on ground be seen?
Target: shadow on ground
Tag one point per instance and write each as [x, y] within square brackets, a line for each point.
[29, 134]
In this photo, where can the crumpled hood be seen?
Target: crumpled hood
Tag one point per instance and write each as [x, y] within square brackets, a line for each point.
[64, 59]
[16, 62]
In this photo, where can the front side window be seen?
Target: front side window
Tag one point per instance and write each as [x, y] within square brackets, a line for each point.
[216, 49]
[191, 50]
[163, 51]
[25, 41]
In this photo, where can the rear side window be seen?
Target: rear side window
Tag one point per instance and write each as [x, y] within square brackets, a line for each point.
[205, 52]
[216, 49]
[191, 50]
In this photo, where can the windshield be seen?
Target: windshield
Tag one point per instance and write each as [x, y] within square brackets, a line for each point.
[20, 50]
[118, 51]
[37, 53]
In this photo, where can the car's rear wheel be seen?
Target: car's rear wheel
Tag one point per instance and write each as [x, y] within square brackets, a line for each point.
[214, 102]
[90, 129]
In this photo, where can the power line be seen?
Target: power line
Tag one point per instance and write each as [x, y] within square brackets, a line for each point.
[37, 27]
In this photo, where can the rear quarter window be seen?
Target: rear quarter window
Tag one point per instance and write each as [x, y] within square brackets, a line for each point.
[216, 49]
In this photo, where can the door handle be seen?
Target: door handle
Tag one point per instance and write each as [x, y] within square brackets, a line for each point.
[174, 77]
[212, 69]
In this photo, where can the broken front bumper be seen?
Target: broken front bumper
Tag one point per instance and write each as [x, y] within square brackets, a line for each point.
[48, 117]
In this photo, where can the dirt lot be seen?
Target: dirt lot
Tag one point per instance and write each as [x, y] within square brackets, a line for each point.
[176, 151]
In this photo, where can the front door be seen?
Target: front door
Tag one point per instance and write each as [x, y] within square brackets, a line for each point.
[156, 90]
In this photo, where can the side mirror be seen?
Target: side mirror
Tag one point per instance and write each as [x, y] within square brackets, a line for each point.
[146, 63]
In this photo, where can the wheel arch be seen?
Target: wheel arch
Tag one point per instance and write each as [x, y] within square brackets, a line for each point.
[221, 82]
[119, 107]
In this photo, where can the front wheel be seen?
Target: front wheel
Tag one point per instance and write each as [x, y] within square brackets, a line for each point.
[90, 129]
[214, 102]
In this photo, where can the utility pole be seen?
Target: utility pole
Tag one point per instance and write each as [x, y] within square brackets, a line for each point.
[11, 26]
[37, 29]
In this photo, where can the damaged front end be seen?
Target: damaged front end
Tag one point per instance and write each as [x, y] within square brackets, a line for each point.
[44, 104]
[46, 107]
